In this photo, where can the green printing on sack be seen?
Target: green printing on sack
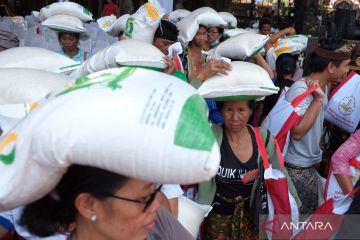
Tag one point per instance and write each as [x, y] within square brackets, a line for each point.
[129, 27]
[8, 159]
[237, 98]
[86, 11]
[192, 130]
[110, 79]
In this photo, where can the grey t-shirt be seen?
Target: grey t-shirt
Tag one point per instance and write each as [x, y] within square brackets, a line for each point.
[305, 152]
[167, 227]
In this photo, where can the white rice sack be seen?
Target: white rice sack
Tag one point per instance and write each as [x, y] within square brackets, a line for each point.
[189, 25]
[240, 47]
[143, 24]
[106, 23]
[113, 26]
[234, 32]
[192, 214]
[19, 95]
[229, 18]
[147, 125]
[246, 81]
[36, 58]
[178, 14]
[128, 52]
[294, 44]
[66, 8]
[64, 23]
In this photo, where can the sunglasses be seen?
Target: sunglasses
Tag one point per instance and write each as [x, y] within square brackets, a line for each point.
[147, 203]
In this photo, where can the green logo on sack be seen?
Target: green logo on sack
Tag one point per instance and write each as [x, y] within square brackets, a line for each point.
[129, 27]
[193, 130]
[7, 149]
[109, 79]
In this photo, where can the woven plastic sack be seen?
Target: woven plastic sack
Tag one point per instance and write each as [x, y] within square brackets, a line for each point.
[189, 25]
[113, 26]
[178, 14]
[36, 58]
[246, 81]
[343, 105]
[66, 8]
[229, 18]
[19, 95]
[294, 44]
[164, 115]
[192, 214]
[128, 52]
[64, 23]
[144, 22]
[240, 47]
[234, 32]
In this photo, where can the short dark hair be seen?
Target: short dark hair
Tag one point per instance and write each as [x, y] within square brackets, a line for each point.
[167, 30]
[285, 65]
[47, 215]
[264, 21]
[77, 35]
[319, 64]
[251, 104]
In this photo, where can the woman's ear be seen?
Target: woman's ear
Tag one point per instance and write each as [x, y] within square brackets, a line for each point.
[86, 205]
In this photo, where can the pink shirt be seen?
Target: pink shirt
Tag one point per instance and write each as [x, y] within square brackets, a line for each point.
[348, 150]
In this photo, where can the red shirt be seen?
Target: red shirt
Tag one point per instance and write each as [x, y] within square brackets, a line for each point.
[110, 8]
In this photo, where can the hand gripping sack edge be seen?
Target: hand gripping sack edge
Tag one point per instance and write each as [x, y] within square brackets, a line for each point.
[165, 136]
[283, 116]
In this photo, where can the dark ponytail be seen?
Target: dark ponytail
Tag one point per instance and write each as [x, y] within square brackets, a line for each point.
[56, 210]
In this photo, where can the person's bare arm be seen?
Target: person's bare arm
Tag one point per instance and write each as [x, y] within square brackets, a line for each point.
[276, 36]
[307, 121]
[259, 59]
[213, 67]
[344, 182]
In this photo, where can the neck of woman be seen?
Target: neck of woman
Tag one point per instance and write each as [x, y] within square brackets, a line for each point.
[72, 52]
[236, 136]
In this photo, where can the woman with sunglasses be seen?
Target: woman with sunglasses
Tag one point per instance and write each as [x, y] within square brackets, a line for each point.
[92, 203]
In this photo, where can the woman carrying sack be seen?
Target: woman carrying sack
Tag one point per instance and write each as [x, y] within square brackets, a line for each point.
[235, 189]
[344, 169]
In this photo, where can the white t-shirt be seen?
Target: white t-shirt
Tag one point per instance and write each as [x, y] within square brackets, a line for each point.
[14, 216]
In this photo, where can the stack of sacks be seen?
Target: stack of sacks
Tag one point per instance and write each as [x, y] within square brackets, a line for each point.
[128, 52]
[246, 81]
[165, 116]
[189, 25]
[113, 26]
[178, 14]
[294, 44]
[240, 47]
[19, 95]
[143, 24]
[229, 18]
[65, 17]
[36, 58]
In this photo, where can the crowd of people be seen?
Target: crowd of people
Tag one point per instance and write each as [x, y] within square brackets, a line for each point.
[92, 203]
